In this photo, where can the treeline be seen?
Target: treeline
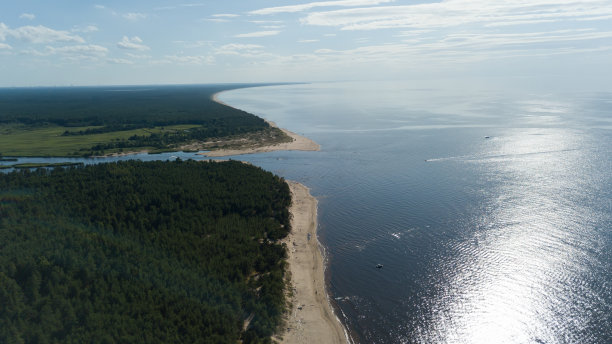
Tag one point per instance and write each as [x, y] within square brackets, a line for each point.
[142, 252]
[174, 138]
[116, 109]
[120, 107]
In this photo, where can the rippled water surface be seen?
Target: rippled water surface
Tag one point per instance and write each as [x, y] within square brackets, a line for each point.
[491, 212]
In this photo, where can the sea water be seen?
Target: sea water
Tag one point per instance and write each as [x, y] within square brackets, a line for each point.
[491, 212]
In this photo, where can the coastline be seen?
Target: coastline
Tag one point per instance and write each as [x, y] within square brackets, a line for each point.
[311, 318]
[298, 143]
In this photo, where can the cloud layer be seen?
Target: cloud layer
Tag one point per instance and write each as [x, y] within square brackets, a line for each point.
[451, 13]
[258, 34]
[38, 34]
[134, 43]
[323, 39]
[309, 6]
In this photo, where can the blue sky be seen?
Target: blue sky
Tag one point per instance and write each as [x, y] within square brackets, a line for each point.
[80, 42]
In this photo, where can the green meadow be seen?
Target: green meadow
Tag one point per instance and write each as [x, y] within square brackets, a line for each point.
[47, 141]
[92, 121]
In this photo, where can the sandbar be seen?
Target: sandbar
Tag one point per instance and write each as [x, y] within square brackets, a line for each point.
[311, 319]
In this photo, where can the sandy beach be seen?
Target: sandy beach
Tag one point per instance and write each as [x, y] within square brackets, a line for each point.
[311, 319]
[298, 143]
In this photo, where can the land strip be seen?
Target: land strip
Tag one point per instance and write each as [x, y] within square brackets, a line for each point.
[311, 319]
[244, 145]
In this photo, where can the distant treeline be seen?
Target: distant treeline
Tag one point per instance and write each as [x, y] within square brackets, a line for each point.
[142, 252]
[112, 109]
[120, 107]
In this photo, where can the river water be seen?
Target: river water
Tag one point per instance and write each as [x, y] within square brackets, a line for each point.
[491, 212]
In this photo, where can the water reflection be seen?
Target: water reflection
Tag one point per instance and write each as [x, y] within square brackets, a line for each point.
[521, 266]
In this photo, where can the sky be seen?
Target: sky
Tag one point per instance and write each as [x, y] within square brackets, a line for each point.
[82, 42]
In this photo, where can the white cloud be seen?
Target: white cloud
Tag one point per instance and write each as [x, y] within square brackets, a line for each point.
[216, 20]
[99, 7]
[120, 61]
[134, 43]
[221, 17]
[258, 34]
[77, 53]
[134, 16]
[308, 6]
[308, 41]
[4, 46]
[450, 50]
[138, 56]
[451, 13]
[194, 44]
[193, 5]
[488, 41]
[225, 15]
[28, 16]
[238, 49]
[187, 60]
[267, 22]
[168, 8]
[86, 29]
[39, 34]
[3, 31]
[84, 50]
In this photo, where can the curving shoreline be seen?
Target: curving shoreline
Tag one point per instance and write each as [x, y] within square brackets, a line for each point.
[311, 319]
[298, 143]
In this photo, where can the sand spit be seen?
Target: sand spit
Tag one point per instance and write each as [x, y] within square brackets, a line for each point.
[311, 319]
[298, 143]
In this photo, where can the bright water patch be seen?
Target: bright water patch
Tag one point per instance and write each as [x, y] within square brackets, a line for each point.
[491, 213]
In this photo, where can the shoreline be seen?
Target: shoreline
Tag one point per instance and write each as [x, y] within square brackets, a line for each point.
[298, 143]
[311, 318]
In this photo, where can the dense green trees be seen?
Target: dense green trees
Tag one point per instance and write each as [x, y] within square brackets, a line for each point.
[142, 252]
[98, 110]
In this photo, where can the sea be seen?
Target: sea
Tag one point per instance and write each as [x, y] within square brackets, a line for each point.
[489, 210]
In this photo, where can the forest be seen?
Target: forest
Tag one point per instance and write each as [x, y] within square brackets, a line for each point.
[142, 252]
[99, 115]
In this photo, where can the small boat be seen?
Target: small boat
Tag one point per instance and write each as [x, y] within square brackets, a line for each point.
[487, 137]
[379, 266]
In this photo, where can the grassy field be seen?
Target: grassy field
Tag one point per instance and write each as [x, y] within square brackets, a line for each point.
[93, 121]
[24, 141]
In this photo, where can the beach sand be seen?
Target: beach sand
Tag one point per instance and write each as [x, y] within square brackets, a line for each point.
[298, 143]
[311, 319]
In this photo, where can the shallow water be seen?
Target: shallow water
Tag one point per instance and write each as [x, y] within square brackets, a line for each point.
[490, 211]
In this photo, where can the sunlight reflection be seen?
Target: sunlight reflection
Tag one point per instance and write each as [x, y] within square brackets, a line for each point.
[511, 277]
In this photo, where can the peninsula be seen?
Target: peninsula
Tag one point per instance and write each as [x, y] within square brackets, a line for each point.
[121, 121]
[258, 144]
